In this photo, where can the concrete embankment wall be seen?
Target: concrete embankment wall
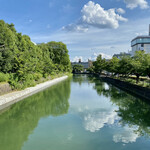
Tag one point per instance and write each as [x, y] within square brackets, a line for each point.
[13, 97]
[142, 92]
[5, 88]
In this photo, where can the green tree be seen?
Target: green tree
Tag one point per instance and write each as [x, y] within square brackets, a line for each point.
[113, 65]
[124, 66]
[77, 68]
[99, 65]
[137, 64]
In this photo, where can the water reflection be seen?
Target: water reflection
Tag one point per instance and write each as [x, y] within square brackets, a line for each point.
[100, 116]
[125, 135]
[130, 116]
[17, 123]
[94, 121]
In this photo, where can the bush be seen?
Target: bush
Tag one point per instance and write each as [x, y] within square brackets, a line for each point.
[37, 76]
[4, 77]
[26, 81]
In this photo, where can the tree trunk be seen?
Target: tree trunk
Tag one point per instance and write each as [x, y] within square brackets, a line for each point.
[137, 78]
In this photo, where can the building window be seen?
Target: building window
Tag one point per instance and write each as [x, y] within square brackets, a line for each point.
[142, 45]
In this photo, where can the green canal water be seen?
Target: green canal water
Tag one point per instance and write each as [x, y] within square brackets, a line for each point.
[80, 113]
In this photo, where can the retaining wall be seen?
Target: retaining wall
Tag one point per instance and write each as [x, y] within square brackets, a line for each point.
[13, 97]
[142, 92]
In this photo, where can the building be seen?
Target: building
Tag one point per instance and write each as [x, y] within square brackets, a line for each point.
[141, 43]
[85, 65]
[121, 55]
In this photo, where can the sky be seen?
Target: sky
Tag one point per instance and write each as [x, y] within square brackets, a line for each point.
[88, 28]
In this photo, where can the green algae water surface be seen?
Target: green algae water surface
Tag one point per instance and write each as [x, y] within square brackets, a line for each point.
[80, 113]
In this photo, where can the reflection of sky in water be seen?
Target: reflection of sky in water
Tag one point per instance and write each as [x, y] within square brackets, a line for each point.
[125, 135]
[99, 112]
[94, 121]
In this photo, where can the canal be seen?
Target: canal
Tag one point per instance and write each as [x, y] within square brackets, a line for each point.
[80, 113]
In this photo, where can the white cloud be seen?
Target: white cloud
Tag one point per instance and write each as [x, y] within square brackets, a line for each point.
[120, 11]
[143, 4]
[94, 56]
[99, 41]
[126, 136]
[75, 27]
[96, 120]
[76, 59]
[93, 15]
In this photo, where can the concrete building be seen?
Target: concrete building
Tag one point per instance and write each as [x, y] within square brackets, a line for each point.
[141, 43]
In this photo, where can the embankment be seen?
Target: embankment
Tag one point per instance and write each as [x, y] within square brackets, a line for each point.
[5, 88]
[13, 97]
[142, 92]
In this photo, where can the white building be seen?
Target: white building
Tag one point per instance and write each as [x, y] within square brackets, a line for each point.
[141, 43]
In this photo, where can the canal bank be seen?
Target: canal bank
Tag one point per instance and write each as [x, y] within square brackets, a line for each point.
[142, 92]
[13, 97]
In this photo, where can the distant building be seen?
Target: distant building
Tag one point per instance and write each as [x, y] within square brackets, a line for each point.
[85, 65]
[121, 55]
[141, 43]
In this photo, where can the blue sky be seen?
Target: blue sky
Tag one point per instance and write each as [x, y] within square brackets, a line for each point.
[87, 27]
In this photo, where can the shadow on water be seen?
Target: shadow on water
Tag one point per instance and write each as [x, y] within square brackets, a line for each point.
[131, 110]
[17, 123]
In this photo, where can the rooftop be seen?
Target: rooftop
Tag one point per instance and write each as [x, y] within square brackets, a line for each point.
[141, 37]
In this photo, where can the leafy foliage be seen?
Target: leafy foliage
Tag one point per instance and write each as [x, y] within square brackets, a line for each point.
[77, 68]
[138, 65]
[27, 62]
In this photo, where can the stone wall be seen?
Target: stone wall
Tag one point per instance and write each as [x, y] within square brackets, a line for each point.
[5, 88]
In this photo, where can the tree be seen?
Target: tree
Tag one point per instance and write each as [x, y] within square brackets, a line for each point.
[146, 65]
[124, 66]
[113, 65]
[27, 62]
[77, 68]
[99, 65]
[137, 64]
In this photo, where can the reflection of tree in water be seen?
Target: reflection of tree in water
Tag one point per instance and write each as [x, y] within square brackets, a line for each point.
[99, 86]
[78, 78]
[21, 119]
[133, 111]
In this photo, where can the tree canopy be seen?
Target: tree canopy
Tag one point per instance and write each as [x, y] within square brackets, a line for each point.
[138, 65]
[27, 62]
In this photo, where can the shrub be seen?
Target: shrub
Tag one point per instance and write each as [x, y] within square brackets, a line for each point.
[4, 77]
[37, 76]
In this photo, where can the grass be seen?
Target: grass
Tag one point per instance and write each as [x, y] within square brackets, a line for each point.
[143, 81]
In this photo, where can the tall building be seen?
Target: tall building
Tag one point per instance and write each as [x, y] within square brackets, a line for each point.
[141, 43]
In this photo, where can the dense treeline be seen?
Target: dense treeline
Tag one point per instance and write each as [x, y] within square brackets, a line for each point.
[138, 65]
[22, 63]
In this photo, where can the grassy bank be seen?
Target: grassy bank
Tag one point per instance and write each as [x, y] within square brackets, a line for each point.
[143, 81]
[29, 81]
